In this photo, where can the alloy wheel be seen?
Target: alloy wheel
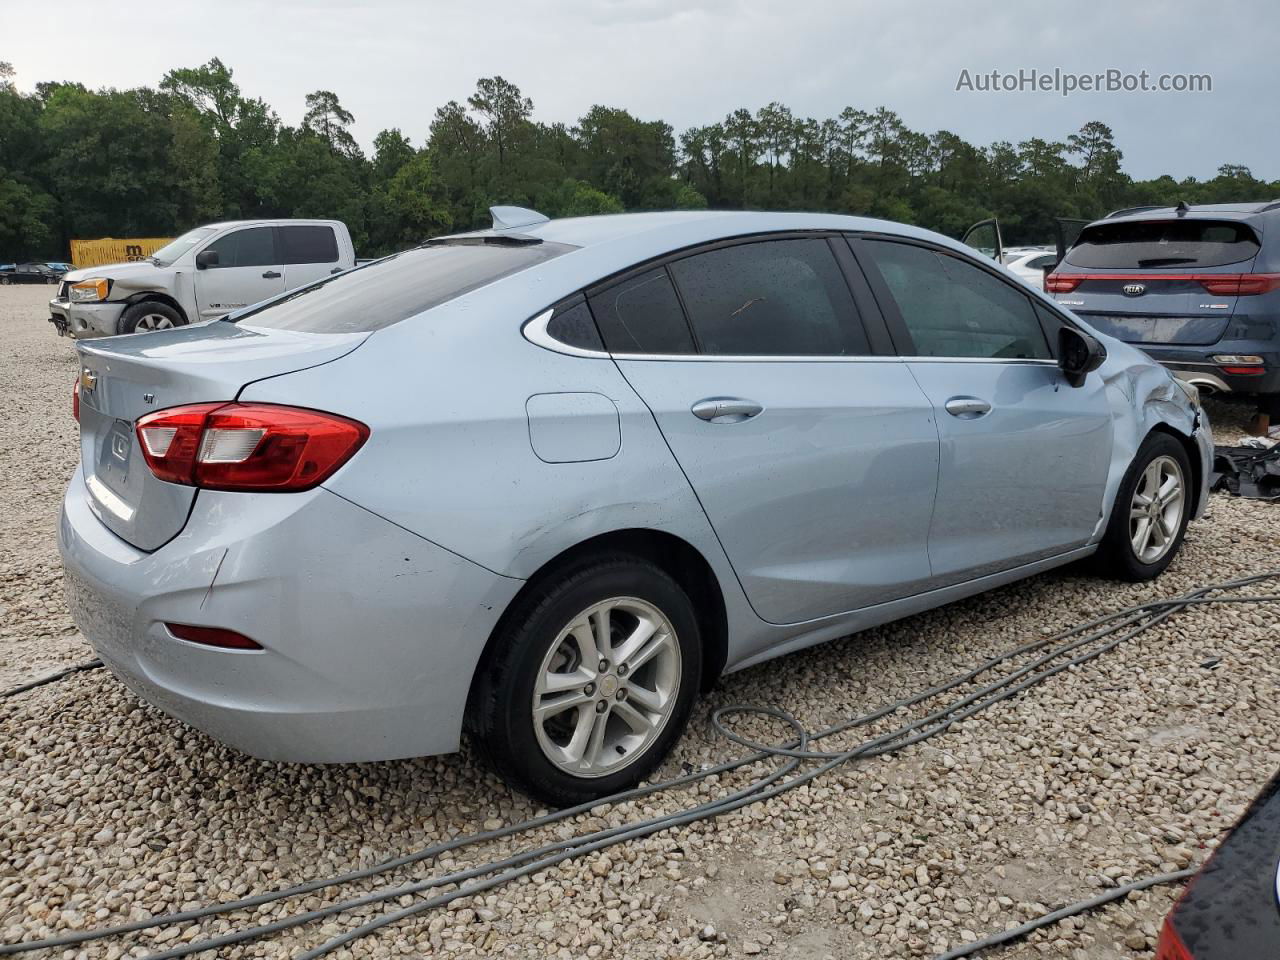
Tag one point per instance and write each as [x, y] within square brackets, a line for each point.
[154, 321]
[1156, 511]
[606, 687]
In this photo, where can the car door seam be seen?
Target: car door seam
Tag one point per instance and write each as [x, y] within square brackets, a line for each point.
[701, 506]
[937, 479]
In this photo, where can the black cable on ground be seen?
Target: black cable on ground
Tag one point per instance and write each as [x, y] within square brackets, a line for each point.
[794, 752]
[49, 678]
[1030, 927]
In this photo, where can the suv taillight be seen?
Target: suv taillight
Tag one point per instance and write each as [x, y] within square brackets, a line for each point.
[247, 446]
[1170, 945]
[1241, 284]
[75, 400]
[1057, 283]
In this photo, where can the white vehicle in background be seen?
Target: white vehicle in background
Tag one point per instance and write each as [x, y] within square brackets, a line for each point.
[1028, 263]
[204, 274]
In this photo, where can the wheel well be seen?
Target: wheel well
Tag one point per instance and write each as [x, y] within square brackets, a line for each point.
[1193, 456]
[164, 298]
[679, 559]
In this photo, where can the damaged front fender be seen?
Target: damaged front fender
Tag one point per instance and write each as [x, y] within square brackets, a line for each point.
[1145, 397]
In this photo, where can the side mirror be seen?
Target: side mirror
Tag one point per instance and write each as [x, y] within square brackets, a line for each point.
[1078, 354]
[206, 259]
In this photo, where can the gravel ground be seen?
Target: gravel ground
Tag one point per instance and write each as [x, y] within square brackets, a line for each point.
[1129, 765]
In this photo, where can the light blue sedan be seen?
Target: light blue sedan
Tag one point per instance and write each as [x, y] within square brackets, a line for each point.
[543, 483]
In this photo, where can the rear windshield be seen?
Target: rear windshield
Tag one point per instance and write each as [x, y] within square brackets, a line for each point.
[388, 291]
[1163, 243]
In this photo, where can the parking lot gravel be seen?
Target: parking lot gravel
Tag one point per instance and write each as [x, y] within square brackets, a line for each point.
[1127, 766]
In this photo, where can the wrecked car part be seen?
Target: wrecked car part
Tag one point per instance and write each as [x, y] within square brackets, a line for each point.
[1247, 471]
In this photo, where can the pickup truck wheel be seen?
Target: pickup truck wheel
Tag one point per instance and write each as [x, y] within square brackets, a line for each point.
[4, 281]
[590, 681]
[149, 315]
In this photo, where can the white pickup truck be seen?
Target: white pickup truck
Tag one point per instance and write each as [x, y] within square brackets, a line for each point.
[204, 274]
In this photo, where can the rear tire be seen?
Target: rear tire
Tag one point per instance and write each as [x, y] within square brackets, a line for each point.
[567, 730]
[149, 315]
[1149, 518]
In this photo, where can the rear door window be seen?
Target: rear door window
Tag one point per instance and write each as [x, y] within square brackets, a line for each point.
[309, 244]
[388, 291]
[252, 247]
[642, 314]
[1180, 244]
[955, 309]
[771, 298]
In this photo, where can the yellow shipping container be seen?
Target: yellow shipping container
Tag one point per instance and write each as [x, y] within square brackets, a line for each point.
[94, 253]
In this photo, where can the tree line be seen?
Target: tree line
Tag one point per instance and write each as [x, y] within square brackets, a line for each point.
[76, 162]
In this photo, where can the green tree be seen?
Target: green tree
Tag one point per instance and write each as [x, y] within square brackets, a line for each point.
[326, 118]
[505, 111]
[418, 202]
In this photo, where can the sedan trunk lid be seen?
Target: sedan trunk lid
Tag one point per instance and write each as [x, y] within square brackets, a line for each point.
[124, 378]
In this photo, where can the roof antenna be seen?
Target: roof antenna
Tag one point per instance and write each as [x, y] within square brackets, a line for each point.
[1182, 208]
[508, 218]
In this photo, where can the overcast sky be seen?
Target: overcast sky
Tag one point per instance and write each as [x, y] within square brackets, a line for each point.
[392, 62]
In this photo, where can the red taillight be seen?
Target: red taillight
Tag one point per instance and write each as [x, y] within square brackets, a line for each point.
[1241, 284]
[213, 637]
[247, 446]
[1218, 284]
[1170, 945]
[1244, 371]
[75, 400]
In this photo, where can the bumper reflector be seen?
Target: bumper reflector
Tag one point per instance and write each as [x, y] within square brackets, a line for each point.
[213, 637]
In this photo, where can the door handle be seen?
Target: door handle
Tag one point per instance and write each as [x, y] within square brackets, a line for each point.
[967, 408]
[271, 275]
[726, 409]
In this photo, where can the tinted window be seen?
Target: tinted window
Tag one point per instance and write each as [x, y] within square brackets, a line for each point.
[1163, 243]
[1039, 263]
[777, 298]
[388, 291]
[954, 309]
[309, 244]
[574, 327]
[1051, 323]
[254, 247]
[642, 314]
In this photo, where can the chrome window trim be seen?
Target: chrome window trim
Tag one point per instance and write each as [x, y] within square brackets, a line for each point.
[756, 358]
[535, 331]
[1031, 361]
[870, 358]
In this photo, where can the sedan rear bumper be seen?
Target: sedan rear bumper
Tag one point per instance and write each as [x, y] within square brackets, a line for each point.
[370, 634]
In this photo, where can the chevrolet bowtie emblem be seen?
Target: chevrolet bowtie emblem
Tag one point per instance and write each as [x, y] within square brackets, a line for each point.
[88, 379]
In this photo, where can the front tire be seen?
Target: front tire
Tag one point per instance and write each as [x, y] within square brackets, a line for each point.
[589, 682]
[1149, 518]
[149, 315]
